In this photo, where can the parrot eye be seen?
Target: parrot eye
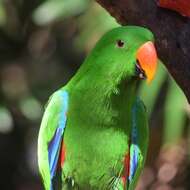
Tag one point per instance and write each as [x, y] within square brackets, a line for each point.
[120, 43]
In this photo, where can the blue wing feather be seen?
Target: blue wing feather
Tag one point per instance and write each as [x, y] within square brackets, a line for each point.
[55, 143]
[53, 150]
[134, 148]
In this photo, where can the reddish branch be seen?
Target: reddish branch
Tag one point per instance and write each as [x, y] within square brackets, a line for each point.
[172, 33]
[181, 6]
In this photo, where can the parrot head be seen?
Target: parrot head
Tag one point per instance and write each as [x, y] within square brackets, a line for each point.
[124, 52]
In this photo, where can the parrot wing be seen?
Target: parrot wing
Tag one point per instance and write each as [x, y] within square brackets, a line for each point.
[135, 160]
[51, 148]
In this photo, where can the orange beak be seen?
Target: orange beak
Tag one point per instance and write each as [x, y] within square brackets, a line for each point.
[147, 57]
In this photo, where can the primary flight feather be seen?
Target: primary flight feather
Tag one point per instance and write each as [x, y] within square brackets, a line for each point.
[94, 132]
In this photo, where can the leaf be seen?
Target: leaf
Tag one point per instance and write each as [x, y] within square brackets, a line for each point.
[2, 14]
[52, 10]
[149, 92]
[90, 29]
[174, 113]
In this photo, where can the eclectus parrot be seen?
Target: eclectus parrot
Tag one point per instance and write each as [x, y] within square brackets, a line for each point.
[94, 132]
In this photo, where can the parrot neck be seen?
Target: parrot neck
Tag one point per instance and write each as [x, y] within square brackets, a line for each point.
[124, 100]
[103, 95]
[106, 103]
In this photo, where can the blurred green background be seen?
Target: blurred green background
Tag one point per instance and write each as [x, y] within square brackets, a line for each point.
[42, 44]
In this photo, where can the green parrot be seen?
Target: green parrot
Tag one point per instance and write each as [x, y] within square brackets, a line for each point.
[94, 132]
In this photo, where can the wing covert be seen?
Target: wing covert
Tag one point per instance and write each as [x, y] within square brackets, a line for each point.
[138, 143]
[50, 138]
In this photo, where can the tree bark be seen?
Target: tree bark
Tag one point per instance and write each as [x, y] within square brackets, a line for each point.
[172, 33]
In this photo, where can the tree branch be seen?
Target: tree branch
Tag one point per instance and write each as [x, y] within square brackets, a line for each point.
[172, 32]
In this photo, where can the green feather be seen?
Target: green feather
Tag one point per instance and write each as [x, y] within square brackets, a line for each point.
[99, 120]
